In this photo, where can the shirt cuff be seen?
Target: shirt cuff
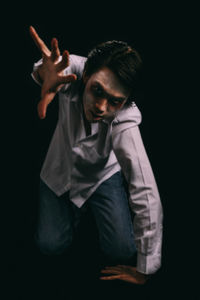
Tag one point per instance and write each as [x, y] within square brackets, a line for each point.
[36, 78]
[148, 264]
[34, 74]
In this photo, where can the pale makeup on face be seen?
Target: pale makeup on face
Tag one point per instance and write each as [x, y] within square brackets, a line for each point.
[103, 95]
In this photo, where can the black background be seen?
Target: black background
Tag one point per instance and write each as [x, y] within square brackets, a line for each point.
[156, 32]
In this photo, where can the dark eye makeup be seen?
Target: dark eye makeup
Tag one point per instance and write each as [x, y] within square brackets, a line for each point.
[99, 92]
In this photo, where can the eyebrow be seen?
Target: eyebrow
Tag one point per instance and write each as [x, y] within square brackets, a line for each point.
[120, 99]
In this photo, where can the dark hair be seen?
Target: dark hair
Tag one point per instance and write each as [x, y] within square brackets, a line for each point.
[122, 59]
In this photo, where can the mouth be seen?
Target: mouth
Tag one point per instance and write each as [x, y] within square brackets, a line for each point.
[96, 117]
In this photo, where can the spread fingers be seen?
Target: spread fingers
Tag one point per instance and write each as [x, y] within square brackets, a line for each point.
[67, 78]
[64, 63]
[55, 52]
[39, 42]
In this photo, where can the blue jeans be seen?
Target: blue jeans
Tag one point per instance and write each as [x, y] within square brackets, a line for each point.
[58, 217]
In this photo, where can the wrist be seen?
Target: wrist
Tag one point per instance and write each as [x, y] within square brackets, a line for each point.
[144, 276]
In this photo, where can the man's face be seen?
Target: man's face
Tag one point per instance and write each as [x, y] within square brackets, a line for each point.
[103, 95]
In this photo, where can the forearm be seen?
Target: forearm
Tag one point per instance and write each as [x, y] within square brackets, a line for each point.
[147, 224]
[144, 198]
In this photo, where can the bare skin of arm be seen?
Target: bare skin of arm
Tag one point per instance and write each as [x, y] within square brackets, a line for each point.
[51, 71]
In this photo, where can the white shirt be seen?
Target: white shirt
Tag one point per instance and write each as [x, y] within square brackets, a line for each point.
[80, 163]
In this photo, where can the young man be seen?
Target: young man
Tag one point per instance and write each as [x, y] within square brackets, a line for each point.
[96, 140]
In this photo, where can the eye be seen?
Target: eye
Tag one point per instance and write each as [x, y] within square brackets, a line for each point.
[97, 90]
[114, 102]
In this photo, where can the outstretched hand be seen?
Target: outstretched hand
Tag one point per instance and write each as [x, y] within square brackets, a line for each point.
[51, 71]
[125, 273]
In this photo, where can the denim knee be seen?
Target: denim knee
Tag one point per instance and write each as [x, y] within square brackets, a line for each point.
[51, 246]
[117, 251]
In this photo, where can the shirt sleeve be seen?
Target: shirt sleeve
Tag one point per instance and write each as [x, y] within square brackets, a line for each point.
[34, 74]
[36, 65]
[144, 198]
[76, 65]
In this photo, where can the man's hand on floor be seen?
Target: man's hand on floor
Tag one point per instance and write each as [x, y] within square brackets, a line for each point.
[125, 273]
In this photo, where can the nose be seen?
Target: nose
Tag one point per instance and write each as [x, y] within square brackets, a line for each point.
[101, 106]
